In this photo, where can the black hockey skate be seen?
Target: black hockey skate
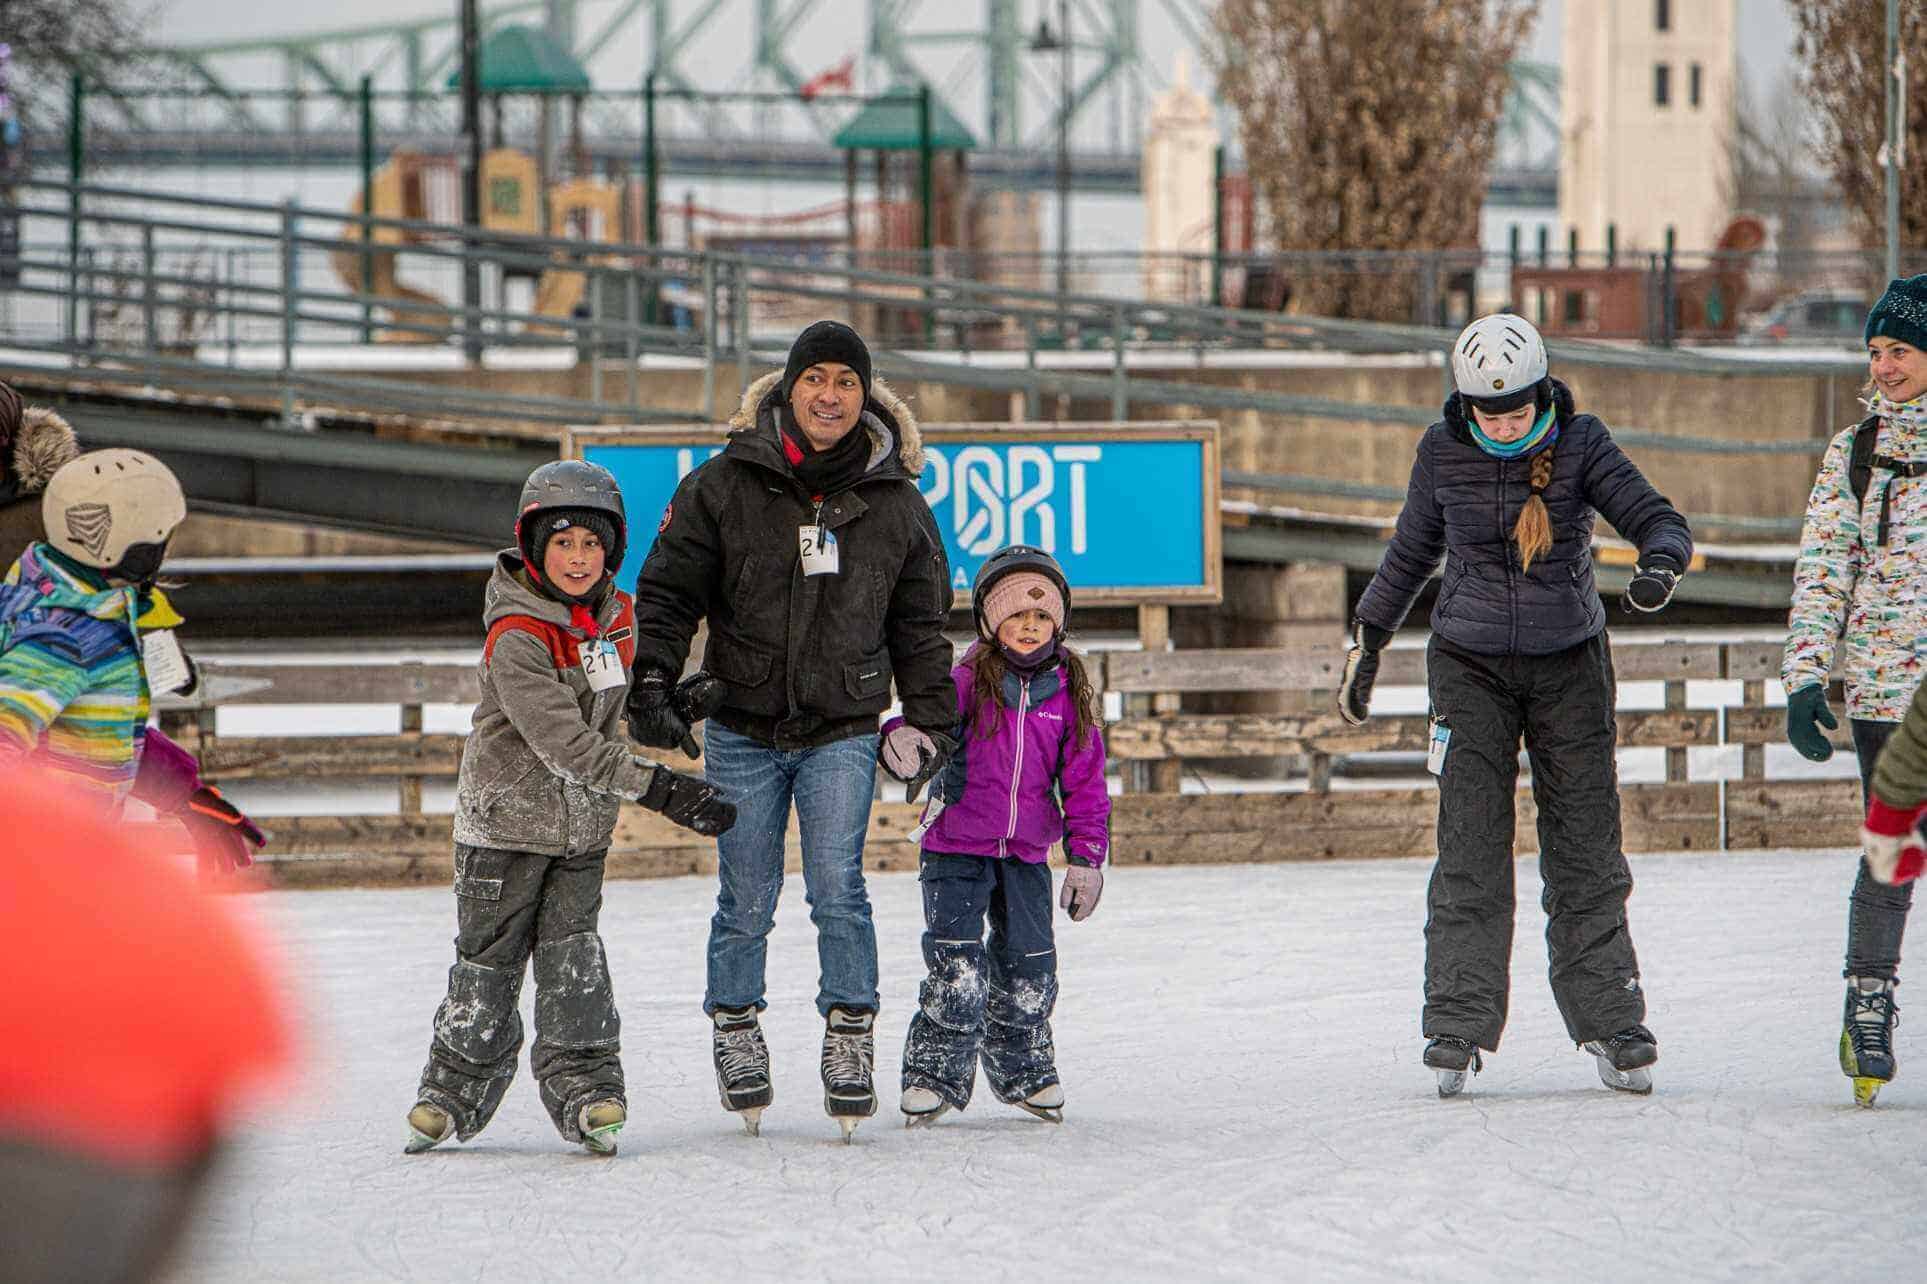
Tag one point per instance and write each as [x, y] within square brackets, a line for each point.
[1454, 1058]
[742, 1066]
[1623, 1059]
[1866, 1036]
[849, 1050]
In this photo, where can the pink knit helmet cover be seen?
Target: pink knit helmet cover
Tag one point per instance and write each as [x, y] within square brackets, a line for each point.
[1022, 591]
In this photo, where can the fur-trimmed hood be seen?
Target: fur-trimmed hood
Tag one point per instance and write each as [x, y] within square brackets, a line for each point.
[43, 443]
[884, 414]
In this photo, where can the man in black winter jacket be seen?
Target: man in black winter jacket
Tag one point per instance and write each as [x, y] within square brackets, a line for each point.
[819, 568]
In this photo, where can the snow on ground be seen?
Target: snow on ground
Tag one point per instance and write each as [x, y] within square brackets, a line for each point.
[1240, 1048]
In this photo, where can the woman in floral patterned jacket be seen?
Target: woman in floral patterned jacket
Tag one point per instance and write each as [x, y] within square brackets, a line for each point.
[1860, 607]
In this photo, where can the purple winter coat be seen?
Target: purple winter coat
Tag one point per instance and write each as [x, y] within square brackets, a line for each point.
[1002, 792]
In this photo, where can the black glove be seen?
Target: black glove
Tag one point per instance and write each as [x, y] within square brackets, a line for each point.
[1804, 709]
[689, 802]
[660, 716]
[224, 838]
[1361, 671]
[1651, 586]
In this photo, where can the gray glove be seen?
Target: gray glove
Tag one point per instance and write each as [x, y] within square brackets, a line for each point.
[914, 756]
[1083, 887]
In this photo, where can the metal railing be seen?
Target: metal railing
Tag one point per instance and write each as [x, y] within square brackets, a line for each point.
[241, 296]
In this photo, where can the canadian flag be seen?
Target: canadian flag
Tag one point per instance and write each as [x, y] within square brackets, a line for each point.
[842, 76]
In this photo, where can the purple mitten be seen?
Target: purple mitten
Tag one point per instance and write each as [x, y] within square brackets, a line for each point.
[167, 774]
[1083, 886]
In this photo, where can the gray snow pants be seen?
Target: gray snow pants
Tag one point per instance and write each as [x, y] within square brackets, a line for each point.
[509, 906]
[1878, 918]
[1561, 705]
[991, 1002]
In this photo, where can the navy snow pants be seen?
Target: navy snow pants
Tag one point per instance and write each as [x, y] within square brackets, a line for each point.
[983, 1001]
[511, 907]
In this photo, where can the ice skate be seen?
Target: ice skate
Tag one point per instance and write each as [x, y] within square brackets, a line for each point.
[1046, 1103]
[600, 1122]
[849, 1049]
[1866, 1036]
[428, 1127]
[1455, 1059]
[922, 1107]
[742, 1066]
[1623, 1059]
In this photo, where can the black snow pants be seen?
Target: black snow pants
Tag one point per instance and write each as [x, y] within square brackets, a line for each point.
[991, 1002]
[509, 906]
[1878, 918]
[1561, 705]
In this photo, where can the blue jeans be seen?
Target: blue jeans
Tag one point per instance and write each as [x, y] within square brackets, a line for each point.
[983, 1002]
[831, 786]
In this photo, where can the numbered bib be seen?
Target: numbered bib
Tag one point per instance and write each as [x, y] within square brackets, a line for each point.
[163, 662]
[602, 666]
[818, 544]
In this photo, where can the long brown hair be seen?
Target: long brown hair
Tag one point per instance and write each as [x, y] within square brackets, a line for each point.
[987, 669]
[1533, 532]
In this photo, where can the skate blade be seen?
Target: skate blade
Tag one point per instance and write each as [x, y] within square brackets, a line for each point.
[602, 1141]
[848, 1124]
[1049, 1114]
[1865, 1091]
[1452, 1082]
[752, 1118]
[419, 1141]
[927, 1118]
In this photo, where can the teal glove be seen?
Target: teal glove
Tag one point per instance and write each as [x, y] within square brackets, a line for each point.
[1806, 713]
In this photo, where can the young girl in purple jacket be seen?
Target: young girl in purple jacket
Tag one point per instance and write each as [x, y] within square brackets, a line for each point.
[1029, 773]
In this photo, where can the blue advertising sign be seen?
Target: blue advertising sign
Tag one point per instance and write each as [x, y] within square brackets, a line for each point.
[1130, 510]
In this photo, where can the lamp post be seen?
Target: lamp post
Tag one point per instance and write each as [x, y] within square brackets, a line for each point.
[1893, 154]
[471, 72]
[1043, 42]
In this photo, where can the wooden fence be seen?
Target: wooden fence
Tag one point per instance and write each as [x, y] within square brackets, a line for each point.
[1309, 823]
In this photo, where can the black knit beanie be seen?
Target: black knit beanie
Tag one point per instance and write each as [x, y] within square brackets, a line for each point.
[1901, 313]
[551, 522]
[827, 341]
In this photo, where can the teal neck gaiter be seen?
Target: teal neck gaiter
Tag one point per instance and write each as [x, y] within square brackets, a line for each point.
[1541, 435]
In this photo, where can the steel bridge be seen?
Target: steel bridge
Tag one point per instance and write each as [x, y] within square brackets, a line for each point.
[297, 96]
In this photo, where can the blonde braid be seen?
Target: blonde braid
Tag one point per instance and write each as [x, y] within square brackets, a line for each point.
[1534, 529]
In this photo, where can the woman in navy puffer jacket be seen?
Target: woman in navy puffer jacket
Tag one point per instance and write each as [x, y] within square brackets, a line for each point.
[1506, 487]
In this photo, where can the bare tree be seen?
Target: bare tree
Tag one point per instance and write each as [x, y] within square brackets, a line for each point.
[52, 37]
[1368, 125]
[1841, 45]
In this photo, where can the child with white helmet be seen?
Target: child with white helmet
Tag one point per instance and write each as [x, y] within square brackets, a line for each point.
[1506, 488]
[86, 641]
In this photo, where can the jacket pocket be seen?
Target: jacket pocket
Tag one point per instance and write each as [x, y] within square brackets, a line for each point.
[742, 590]
[869, 678]
[743, 666]
[479, 872]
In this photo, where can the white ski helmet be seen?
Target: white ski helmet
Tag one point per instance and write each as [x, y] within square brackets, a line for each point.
[106, 504]
[1498, 362]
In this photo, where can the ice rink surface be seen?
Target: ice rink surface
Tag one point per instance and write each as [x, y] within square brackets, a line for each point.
[1240, 1051]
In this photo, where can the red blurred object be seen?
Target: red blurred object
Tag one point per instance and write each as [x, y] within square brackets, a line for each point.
[139, 1012]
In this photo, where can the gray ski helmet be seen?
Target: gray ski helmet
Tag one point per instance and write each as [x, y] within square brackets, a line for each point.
[1014, 557]
[571, 483]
